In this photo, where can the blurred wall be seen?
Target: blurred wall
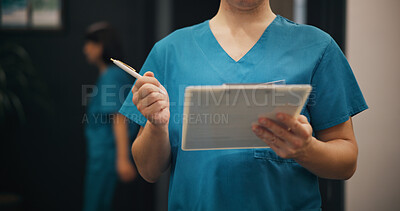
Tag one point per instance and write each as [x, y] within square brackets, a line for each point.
[44, 161]
[283, 8]
[373, 49]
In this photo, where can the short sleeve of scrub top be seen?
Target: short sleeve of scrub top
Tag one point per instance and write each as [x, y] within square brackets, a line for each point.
[249, 179]
[336, 95]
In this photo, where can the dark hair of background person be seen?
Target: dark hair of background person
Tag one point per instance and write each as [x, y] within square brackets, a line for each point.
[103, 33]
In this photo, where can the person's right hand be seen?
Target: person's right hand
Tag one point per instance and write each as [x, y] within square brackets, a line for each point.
[148, 99]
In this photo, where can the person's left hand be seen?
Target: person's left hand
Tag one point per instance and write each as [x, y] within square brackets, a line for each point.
[289, 137]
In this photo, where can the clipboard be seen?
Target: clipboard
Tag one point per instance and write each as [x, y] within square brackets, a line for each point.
[220, 117]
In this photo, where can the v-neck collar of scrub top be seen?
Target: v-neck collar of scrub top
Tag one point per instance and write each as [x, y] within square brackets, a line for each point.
[249, 52]
[220, 59]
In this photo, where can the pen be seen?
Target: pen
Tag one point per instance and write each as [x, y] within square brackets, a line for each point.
[130, 70]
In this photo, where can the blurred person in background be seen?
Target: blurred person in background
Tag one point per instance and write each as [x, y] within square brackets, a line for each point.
[110, 170]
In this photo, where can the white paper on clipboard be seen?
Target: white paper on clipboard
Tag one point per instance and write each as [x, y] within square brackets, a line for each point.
[220, 117]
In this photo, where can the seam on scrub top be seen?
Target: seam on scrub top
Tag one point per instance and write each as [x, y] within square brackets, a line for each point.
[261, 154]
[158, 63]
[202, 52]
[320, 61]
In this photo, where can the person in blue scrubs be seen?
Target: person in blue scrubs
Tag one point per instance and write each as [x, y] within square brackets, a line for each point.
[107, 131]
[247, 43]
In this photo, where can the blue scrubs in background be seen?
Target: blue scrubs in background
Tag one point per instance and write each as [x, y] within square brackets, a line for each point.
[249, 179]
[101, 175]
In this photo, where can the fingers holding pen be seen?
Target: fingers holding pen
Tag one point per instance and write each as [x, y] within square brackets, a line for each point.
[151, 99]
[147, 78]
[147, 95]
[147, 85]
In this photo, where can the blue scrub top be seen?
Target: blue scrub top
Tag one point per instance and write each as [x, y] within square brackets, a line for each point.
[249, 179]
